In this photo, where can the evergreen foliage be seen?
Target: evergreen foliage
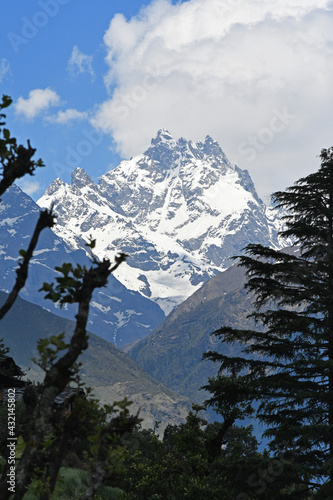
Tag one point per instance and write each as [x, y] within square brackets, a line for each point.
[180, 465]
[290, 365]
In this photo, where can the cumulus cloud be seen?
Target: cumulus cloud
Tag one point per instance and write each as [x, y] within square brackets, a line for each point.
[80, 63]
[256, 75]
[38, 101]
[4, 68]
[67, 117]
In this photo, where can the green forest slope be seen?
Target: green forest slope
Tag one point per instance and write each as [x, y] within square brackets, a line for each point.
[172, 353]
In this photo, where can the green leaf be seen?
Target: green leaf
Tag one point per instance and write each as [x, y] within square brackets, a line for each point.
[77, 272]
[66, 268]
[6, 101]
[47, 287]
[94, 449]
[58, 341]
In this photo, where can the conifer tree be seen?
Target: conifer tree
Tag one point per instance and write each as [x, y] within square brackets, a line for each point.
[290, 363]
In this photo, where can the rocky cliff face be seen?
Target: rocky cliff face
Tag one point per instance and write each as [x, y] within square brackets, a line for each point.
[180, 210]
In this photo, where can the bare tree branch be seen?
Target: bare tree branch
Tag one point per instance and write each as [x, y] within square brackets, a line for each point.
[46, 219]
[56, 379]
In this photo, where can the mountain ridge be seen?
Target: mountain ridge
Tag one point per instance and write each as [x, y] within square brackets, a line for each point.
[117, 314]
[180, 210]
[173, 352]
[112, 375]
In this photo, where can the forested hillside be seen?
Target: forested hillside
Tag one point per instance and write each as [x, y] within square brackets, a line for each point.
[111, 374]
[173, 352]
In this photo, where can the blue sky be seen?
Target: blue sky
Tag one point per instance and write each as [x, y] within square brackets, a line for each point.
[92, 82]
[41, 62]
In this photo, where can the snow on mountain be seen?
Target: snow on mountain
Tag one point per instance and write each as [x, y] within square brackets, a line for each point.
[180, 210]
[117, 314]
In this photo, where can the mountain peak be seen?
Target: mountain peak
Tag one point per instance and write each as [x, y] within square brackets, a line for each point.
[54, 187]
[210, 147]
[80, 178]
[181, 209]
[162, 148]
[165, 143]
[164, 137]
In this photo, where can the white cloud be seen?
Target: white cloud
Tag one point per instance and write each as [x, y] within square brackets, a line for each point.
[68, 116]
[225, 69]
[29, 187]
[80, 63]
[38, 101]
[4, 68]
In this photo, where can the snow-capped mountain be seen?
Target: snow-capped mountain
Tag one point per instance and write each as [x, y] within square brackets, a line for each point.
[117, 314]
[180, 210]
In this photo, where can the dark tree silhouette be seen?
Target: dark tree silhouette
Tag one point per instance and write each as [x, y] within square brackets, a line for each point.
[290, 364]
